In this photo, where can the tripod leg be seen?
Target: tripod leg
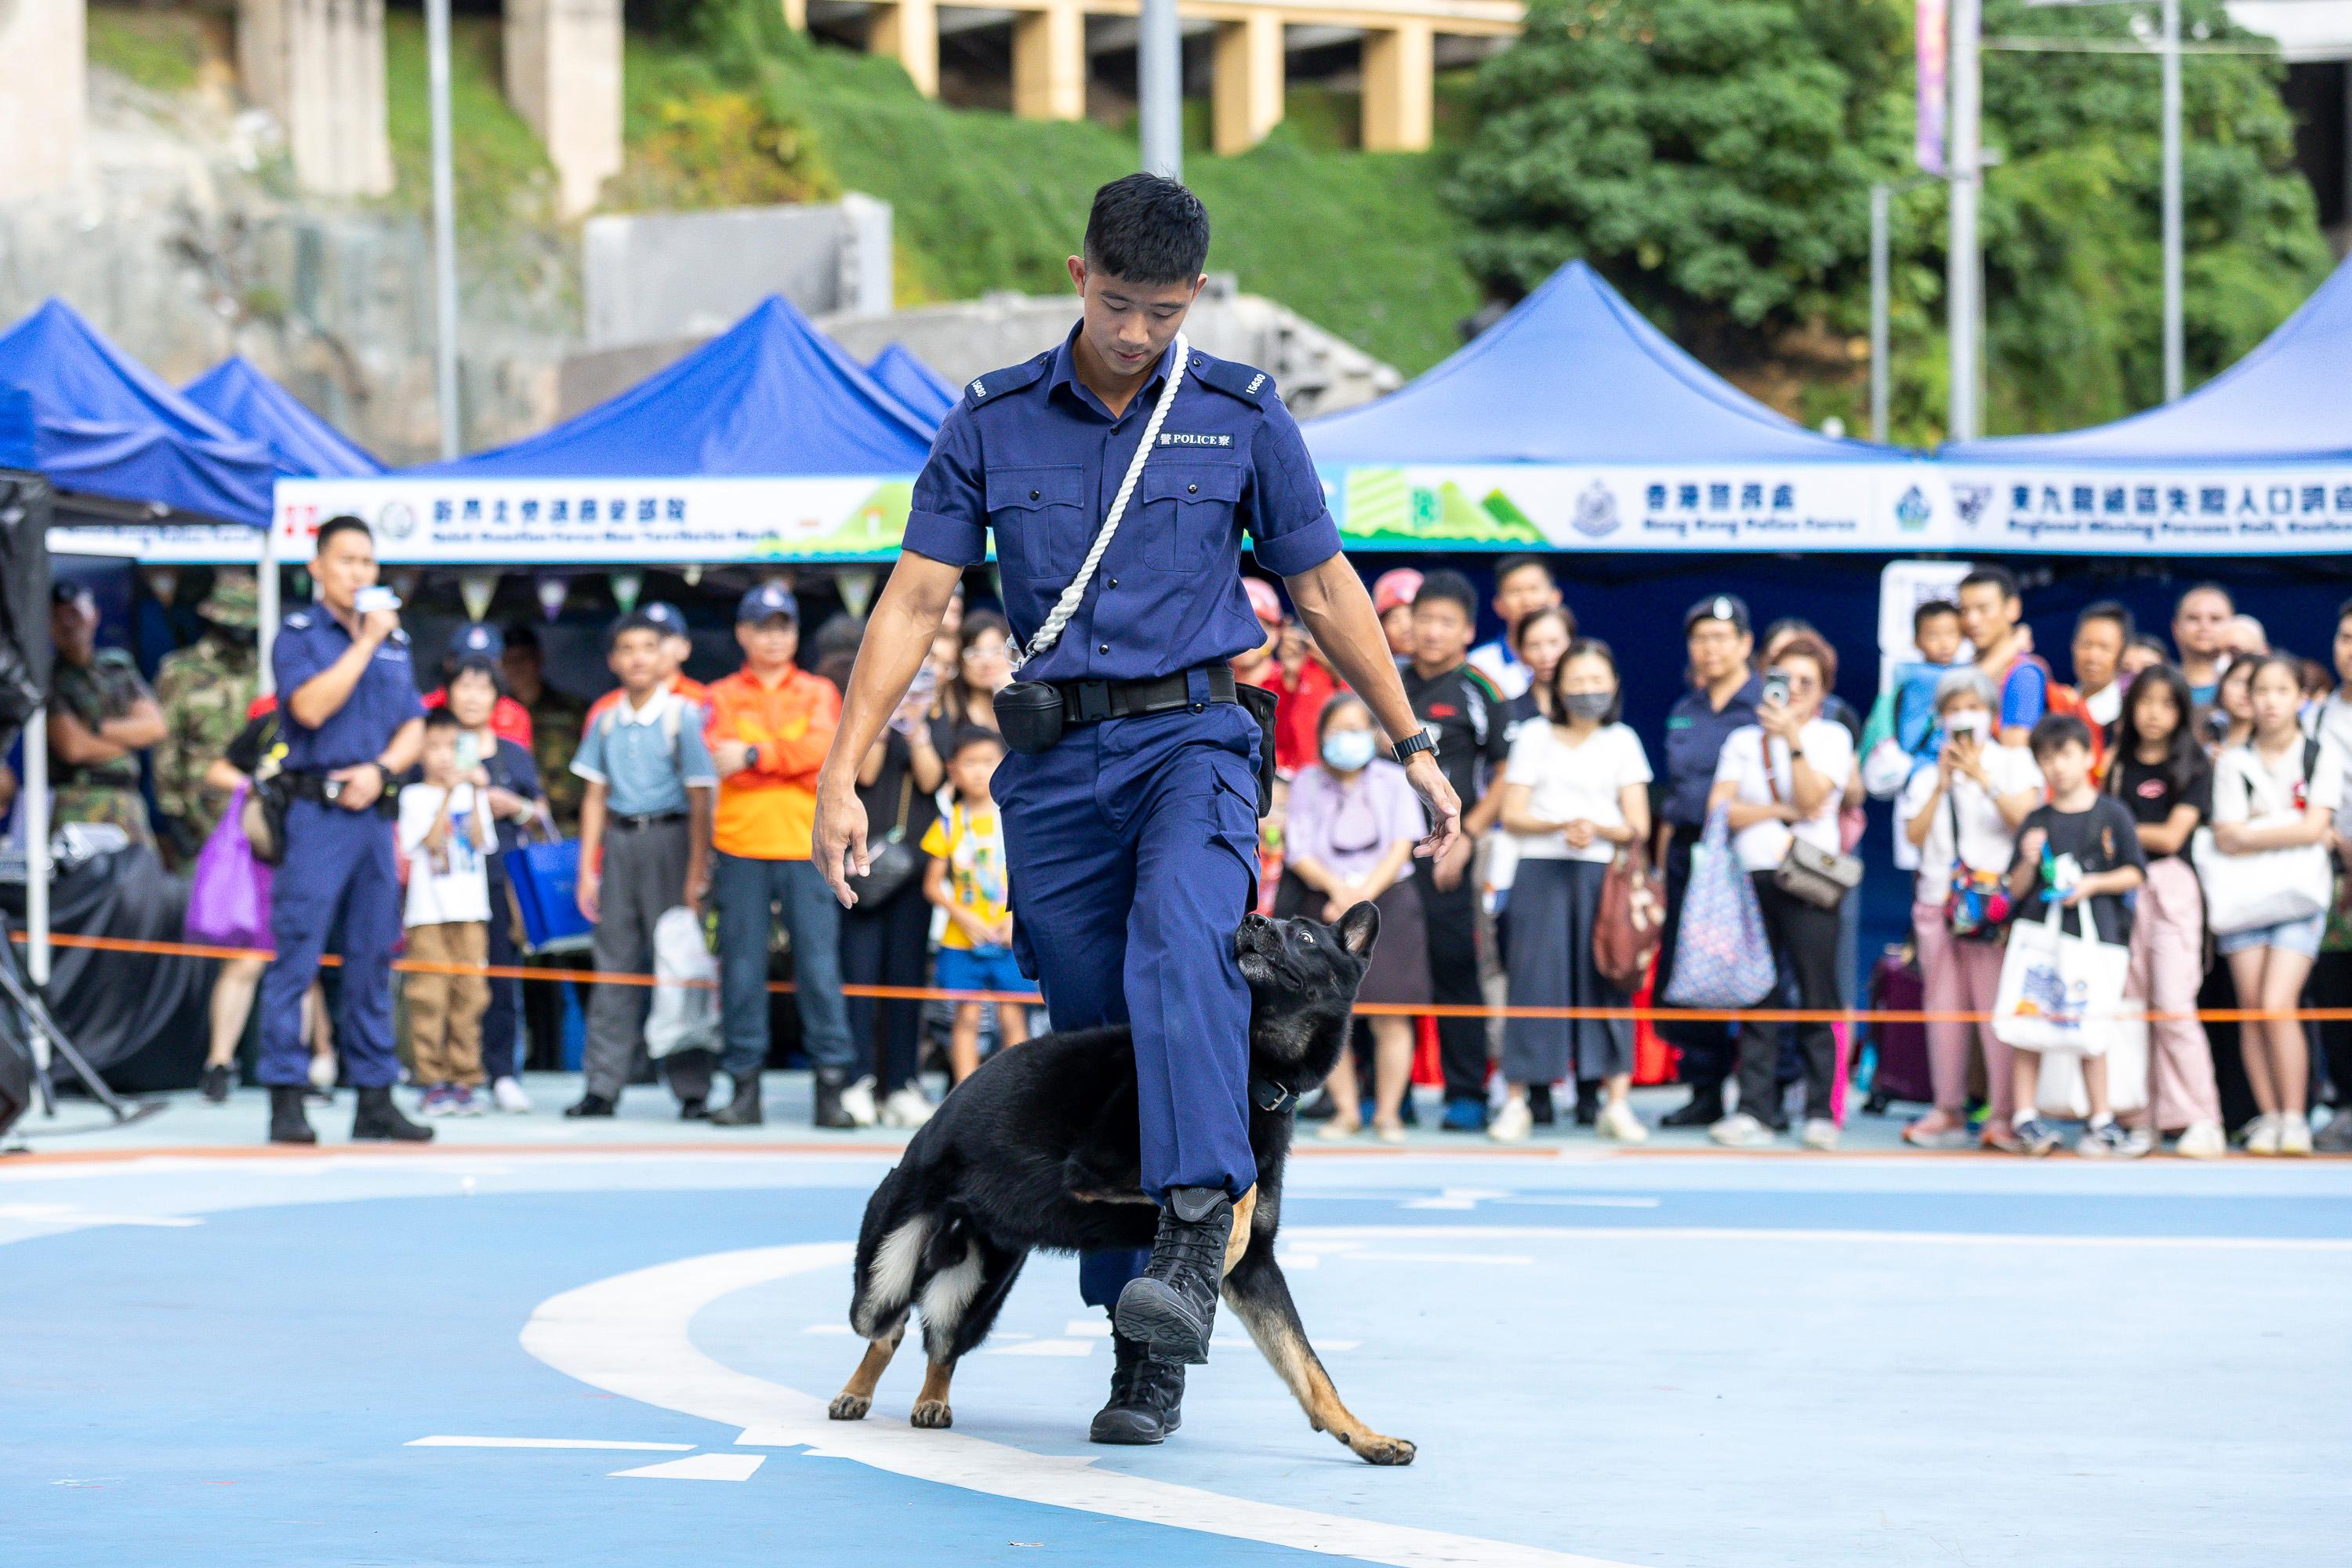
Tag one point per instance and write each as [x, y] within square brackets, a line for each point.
[37, 1020]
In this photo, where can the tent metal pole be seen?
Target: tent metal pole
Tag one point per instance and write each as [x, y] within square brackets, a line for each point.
[266, 602]
[38, 870]
[1963, 268]
[1882, 201]
[1159, 78]
[444, 225]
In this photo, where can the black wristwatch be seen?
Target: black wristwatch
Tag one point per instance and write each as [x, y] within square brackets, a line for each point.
[391, 780]
[1420, 741]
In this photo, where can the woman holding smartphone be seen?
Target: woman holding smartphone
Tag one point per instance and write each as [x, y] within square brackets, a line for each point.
[1962, 817]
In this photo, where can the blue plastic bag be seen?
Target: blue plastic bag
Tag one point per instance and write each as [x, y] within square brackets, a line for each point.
[546, 880]
[1722, 957]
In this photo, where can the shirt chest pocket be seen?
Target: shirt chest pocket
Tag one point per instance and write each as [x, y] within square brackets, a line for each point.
[1188, 513]
[1041, 520]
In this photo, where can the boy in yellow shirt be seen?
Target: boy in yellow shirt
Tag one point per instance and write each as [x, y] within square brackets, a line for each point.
[966, 877]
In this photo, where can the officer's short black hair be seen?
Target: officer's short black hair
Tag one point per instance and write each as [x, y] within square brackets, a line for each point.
[440, 718]
[342, 524]
[1147, 228]
[1453, 587]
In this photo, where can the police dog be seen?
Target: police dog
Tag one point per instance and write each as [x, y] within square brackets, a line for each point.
[1039, 1149]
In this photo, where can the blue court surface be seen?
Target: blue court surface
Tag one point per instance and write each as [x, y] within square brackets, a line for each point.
[621, 1355]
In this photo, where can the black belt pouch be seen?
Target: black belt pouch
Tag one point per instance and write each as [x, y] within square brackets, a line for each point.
[1029, 715]
[1260, 704]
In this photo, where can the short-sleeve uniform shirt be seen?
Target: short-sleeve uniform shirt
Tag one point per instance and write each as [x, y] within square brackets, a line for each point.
[1033, 456]
[384, 698]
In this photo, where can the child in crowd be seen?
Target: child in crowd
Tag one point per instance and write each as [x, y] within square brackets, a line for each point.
[2082, 849]
[1901, 733]
[444, 830]
[966, 879]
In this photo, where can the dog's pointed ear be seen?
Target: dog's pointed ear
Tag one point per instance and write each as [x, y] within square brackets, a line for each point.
[1358, 927]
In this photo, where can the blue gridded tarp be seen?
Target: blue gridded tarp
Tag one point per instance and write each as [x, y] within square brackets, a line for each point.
[1573, 374]
[303, 444]
[106, 425]
[771, 397]
[2285, 400]
[912, 382]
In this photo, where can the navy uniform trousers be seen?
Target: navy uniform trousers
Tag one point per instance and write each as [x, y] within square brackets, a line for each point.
[1132, 851]
[338, 865]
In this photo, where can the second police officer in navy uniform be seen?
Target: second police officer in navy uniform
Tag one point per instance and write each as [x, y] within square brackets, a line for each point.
[1131, 823]
[351, 724]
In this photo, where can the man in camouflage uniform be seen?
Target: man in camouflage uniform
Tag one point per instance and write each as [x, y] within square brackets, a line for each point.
[556, 717]
[101, 716]
[204, 689]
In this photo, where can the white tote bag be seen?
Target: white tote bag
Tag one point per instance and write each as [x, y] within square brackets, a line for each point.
[2266, 886]
[2059, 991]
[2060, 1090]
[684, 1014]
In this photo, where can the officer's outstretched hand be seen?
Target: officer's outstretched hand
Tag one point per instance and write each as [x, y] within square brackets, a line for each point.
[1428, 780]
[840, 846]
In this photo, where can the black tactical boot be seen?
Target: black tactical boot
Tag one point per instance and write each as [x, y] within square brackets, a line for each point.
[380, 1119]
[287, 1123]
[830, 1111]
[1147, 1397]
[744, 1110]
[1171, 1309]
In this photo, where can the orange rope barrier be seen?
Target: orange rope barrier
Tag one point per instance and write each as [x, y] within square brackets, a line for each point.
[1367, 1009]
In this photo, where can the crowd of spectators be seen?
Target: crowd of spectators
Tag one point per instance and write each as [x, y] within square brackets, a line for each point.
[2150, 793]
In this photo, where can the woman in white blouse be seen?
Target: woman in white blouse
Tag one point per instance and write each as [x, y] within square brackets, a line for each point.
[1575, 791]
[1781, 779]
[1979, 791]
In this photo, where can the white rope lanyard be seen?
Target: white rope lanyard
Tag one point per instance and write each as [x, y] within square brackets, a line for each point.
[1051, 632]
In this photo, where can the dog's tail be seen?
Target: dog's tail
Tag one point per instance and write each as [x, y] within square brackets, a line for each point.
[891, 1247]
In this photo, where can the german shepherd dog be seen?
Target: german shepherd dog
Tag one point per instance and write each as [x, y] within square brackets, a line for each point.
[1039, 1149]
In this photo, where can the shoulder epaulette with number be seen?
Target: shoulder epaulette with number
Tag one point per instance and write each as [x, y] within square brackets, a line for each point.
[1245, 381]
[299, 621]
[1012, 378]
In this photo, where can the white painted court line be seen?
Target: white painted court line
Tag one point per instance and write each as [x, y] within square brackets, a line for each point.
[1044, 1347]
[66, 1215]
[1517, 1260]
[700, 1467]
[445, 1442]
[1088, 1327]
[630, 1335]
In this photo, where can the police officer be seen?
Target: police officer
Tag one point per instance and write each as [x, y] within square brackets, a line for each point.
[353, 725]
[1132, 839]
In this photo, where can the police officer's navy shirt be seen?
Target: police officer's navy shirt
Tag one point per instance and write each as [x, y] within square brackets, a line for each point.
[1694, 736]
[383, 699]
[1035, 455]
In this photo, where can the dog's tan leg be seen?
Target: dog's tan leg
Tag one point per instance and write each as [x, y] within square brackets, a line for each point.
[1244, 1210]
[856, 1395]
[931, 1403]
[1260, 1295]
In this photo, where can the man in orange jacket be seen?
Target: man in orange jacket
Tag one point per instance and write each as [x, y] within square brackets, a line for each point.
[770, 724]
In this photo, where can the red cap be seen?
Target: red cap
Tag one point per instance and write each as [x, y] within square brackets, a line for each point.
[1263, 600]
[1396, 586]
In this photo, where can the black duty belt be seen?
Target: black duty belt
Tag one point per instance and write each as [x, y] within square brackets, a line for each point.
[626, 821]
[1091, 702]
[328, 791]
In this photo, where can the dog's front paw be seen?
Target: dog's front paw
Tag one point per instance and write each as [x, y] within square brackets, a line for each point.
[1375, 1449]
[933, 1414]
[849, 1407]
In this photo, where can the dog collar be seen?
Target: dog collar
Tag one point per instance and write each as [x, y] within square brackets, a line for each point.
[1271, 1097]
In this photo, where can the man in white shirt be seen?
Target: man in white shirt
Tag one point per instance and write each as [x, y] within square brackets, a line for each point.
[2102, 632]
[1522, 585]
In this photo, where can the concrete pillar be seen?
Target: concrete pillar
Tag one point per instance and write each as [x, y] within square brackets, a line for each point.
[563, 77]
[1247, 82]
[908, 32]
[1399, 65]
[43, 96]
[796, 15]
[1049, 62]
[317, 66]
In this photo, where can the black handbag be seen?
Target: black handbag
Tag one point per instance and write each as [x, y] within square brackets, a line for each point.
[892, 863]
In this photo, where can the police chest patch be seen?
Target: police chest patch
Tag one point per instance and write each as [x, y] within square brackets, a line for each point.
[1188, 438]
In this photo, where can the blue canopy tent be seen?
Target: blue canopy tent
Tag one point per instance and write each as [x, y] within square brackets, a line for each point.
[769, 443]
[301, 443]
[106, 426]
[912, 382]
[1574, 423]
[2257, 461]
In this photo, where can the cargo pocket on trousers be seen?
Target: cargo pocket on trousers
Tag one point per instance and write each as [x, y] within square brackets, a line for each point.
[1233, 824]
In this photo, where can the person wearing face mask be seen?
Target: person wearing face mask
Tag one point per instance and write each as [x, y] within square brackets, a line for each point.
[205, 690]
[1575, 791]
[1353, 821]
[1960, 815]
